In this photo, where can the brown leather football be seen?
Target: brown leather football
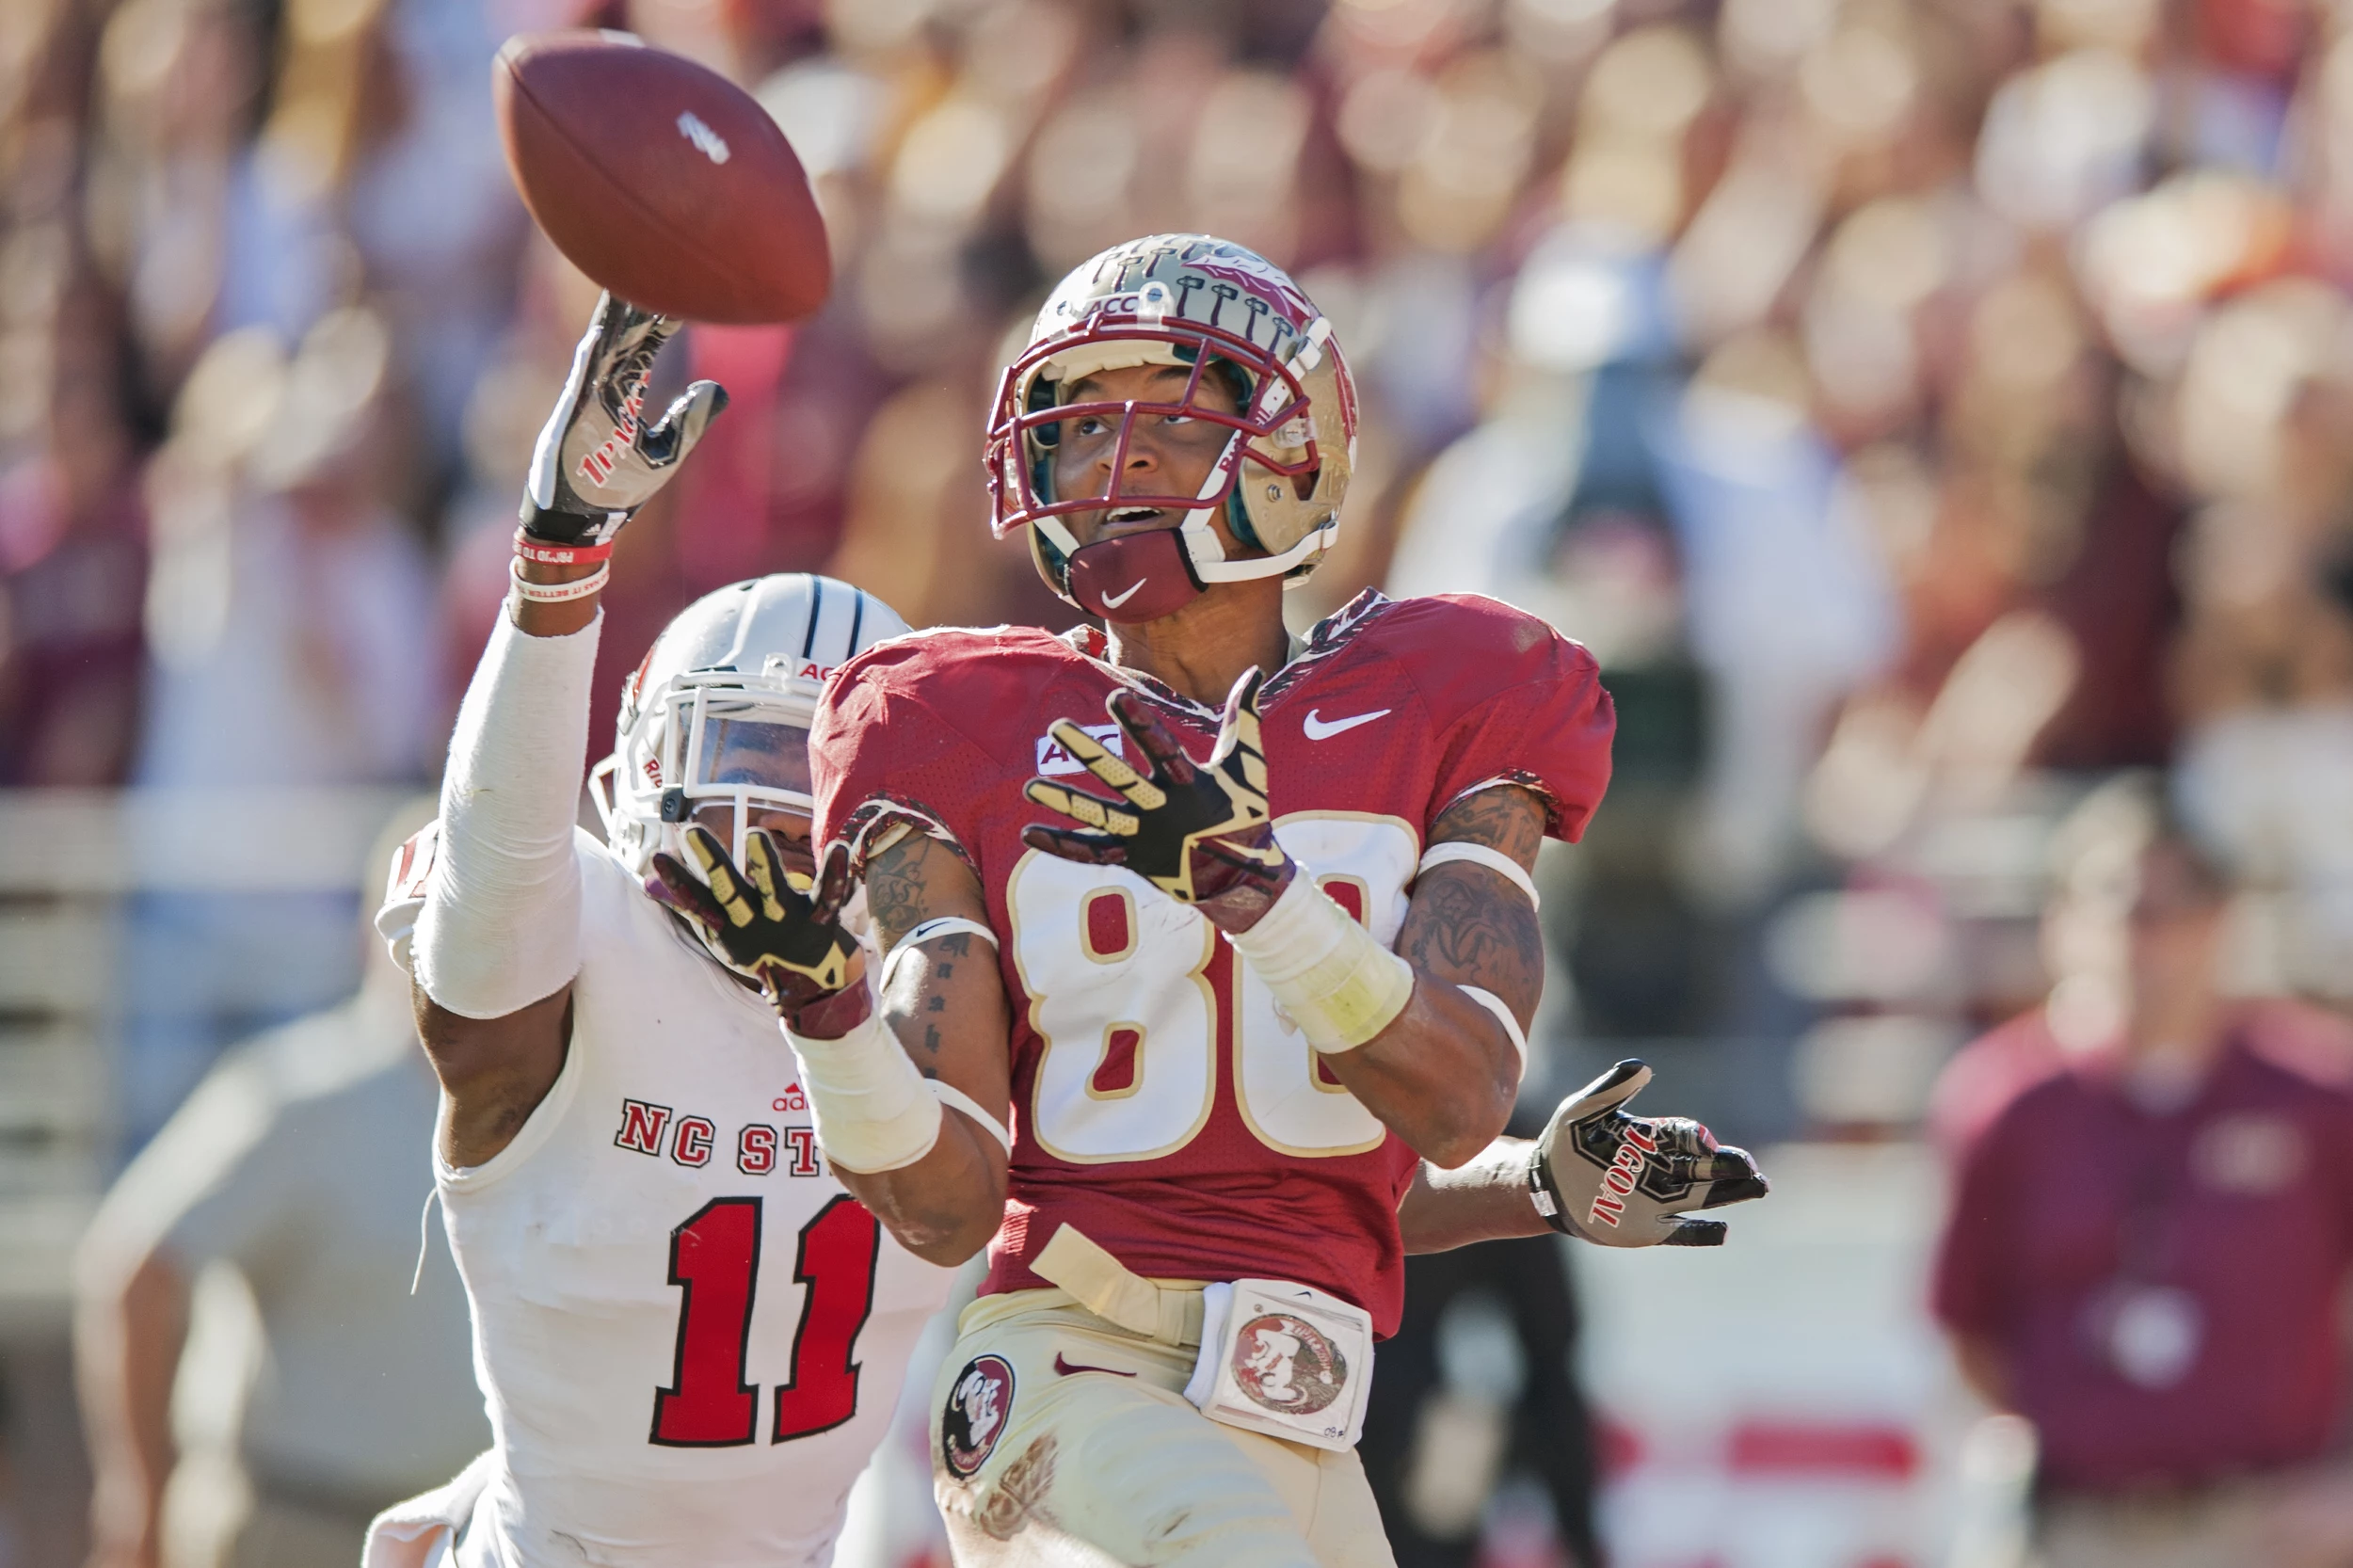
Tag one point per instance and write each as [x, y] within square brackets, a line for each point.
[661, 180]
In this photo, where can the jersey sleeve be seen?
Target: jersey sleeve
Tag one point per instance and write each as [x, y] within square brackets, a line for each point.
[405, 884]
[1531, 711]
[882, 758]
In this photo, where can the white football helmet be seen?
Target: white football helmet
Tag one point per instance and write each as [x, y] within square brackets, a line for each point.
[720, 710]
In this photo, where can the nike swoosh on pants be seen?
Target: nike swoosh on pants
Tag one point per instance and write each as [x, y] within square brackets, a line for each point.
[1067, 1370]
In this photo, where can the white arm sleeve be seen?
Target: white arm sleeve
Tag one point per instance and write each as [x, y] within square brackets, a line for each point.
[500, 925]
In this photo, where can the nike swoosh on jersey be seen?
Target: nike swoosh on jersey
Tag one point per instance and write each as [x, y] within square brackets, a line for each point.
[1067, 1370]
[1318, 730]
[1115, 601]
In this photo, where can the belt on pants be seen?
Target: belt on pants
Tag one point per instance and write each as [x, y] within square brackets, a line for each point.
[1169, 1314]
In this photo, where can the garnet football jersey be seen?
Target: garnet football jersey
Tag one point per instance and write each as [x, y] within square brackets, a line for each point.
[1160, 1102]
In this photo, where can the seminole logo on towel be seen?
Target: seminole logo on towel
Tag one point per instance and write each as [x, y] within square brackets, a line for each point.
[1287, 1365]
[975, 1417]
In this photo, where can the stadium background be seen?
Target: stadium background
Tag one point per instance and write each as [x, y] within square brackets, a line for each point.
[1929, 411]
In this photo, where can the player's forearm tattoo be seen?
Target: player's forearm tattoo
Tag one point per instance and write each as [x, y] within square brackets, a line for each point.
[904, 886]
[1463, 929]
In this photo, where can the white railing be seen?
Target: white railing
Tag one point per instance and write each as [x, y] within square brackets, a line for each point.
[69, 862]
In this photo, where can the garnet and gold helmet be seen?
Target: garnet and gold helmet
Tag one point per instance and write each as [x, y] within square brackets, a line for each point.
[1209, 306]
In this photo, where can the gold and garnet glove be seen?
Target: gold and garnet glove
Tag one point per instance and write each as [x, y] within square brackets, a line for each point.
[790, 943]
[1202, 832]
[1195, 830]
[872, 1108]
[1634, 1181]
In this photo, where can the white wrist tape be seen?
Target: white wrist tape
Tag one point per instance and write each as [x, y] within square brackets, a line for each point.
[1337, 982]
[1494, 1003]
[870, 1105]
[500, 924]
[1480, 854]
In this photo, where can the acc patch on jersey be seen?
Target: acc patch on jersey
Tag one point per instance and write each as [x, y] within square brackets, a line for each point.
[1287, 1365]
[1054, 759]
[979, 1405]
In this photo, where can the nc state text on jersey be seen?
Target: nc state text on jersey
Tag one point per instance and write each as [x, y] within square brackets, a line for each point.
[655, 1130]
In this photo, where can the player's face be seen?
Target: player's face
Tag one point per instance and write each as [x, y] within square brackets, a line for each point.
[775, 755]
[1166, 454]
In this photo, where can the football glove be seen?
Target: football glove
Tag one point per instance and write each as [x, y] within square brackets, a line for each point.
[790, 944]
[1631, 1181]
[597, 461]
[1194, 830]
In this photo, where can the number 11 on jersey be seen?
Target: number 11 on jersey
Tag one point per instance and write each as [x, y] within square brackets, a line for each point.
[715, 1261]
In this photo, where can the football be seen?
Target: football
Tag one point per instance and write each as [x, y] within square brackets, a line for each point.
[660, 179]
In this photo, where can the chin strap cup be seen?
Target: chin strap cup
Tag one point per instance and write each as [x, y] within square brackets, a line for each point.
[1134, 578]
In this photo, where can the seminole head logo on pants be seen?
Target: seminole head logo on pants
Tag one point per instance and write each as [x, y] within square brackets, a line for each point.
[1288, 1365]
[975, 1416]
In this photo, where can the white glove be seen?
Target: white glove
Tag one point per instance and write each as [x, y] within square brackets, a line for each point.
[1629, 1181]
[596, 461]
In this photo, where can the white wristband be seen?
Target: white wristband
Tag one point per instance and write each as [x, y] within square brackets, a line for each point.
[1480, 854]
[1337, 982]
[957, 1099]
[871, 1107]
[1494, 1003]
[944, 925]
[559, 593]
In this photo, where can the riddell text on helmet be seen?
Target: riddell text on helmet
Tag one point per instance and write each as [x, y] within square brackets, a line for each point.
[1624, 1172]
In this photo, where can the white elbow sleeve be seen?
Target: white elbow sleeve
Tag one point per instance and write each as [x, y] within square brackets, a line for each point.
[870, 1105]
[500, 924]
[1335, 978]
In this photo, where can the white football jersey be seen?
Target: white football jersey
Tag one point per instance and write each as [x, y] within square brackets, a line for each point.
[690, 1336]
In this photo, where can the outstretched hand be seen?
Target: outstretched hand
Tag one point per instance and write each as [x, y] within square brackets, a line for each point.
[790, 944]
[1633, 1181]
[1199, 831]
[598, 460]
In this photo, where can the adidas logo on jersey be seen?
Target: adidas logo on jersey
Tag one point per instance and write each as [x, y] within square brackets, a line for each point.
[1052, 759]
[655, 1130]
